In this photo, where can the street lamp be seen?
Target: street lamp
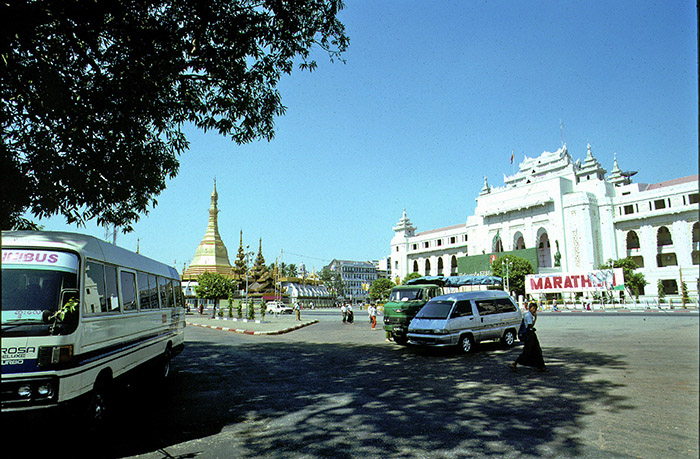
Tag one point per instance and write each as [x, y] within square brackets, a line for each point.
[507, 265]
[247, 271]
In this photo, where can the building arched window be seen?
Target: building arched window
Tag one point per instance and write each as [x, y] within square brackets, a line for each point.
[427, 267]
[632, 240]
[440, 267]
[519, 241]
[695, 249]
[453, 266]
[544, 253]
[663, 237]
[497, 244]
[415, 266]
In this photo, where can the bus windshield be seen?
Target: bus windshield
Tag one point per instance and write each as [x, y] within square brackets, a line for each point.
[32, 284]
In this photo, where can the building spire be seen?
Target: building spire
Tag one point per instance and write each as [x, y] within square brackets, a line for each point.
[211, 254]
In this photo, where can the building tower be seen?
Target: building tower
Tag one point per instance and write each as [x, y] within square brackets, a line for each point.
[211, 254]
[403, 230]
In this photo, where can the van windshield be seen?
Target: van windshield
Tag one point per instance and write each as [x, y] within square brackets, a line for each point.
[436, 309]
[401, 295]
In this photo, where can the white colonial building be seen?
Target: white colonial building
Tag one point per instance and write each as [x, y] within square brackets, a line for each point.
[357, 277]
[565, 216]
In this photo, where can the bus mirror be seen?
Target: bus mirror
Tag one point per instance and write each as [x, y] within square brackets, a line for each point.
[69, 304]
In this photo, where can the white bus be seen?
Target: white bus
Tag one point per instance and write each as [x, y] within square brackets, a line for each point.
[77, 313]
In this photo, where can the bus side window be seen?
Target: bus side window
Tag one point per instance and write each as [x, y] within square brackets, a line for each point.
[171, 293]
[112, 293]
[128, 284]
[166, 293]
[144, 300]
[153, 291]
[179, 301]
[94, 288]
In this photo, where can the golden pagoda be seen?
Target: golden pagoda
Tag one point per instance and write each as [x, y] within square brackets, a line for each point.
[211, 254]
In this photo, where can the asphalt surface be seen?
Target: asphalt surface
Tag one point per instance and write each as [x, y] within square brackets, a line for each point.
[285, 323]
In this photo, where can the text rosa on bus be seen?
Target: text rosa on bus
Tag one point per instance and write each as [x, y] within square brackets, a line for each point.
[78, 312]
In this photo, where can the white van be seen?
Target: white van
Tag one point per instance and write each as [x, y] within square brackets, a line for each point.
[466, 318]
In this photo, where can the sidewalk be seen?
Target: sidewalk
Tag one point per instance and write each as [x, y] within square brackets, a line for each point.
[271, 325]
[618, 308]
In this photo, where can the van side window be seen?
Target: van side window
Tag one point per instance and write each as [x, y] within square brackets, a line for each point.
[505, 305]
[94, 288]
[128, 290]
[486, 307]
[462, 308]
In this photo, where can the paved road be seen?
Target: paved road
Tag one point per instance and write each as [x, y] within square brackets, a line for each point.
[619, 386]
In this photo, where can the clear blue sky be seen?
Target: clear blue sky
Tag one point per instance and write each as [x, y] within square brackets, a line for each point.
[434, 96]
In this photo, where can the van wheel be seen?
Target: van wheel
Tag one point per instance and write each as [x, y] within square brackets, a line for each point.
[400, 339]
[466, 344]
[508, 338]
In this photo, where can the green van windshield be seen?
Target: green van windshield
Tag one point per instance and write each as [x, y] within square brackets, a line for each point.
[402, 295]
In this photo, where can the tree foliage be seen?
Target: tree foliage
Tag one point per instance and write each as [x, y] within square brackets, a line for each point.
[518, 268]
[635, 282]
[333, 281]
[380, 289]
[214, 286]
[411, 276]
[95, 96]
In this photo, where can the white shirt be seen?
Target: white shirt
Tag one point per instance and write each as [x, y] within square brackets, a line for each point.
[529, 319]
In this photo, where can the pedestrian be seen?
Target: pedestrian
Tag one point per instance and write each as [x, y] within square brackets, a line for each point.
[532, 352]
[344, 312]
[351, 315]
[297, 309]
[372, 310]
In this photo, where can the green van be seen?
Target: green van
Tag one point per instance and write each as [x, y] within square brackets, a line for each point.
[406, 300]
[404, 303]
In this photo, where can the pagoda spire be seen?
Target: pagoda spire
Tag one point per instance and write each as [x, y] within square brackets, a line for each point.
[211, 254]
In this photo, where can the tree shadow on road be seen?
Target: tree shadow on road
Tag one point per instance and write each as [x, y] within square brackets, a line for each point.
[321, 400]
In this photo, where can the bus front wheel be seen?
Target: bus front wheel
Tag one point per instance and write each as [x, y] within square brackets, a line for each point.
[98, 406]
[165, 359]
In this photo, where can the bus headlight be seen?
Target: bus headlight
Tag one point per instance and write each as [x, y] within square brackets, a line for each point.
[45, 390]
[24, 391]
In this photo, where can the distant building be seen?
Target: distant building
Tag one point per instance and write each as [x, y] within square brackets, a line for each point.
[357, 277]
[565, 215]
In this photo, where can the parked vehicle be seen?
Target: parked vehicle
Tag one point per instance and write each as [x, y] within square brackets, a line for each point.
[277, 307]
[78, 313]
[466, 318]
[406, 300]
[404, 303]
